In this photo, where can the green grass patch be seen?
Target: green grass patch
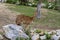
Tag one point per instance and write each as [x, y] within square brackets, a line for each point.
[52, 19]
[26, 10]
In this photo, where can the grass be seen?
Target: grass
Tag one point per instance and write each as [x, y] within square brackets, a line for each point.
[23, 9]
[50, 19]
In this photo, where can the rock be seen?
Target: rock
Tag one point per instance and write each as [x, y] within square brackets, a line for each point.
[12, 31]
[43, 37]
[35, 37]
[55, 37]
[41, 34]
[57, 32]
[23, 35]
[32, 32]
[1, 37]
[52, 32]
[30, 4]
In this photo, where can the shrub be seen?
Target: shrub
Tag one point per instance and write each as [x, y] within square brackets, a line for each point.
[34, 3]
[50, 5]
[48, 36]
[23, 2]
[11, 1]
[38, 31]
[28, 33]
[44, 1]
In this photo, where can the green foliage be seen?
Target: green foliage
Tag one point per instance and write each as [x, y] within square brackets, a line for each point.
[21, 38]
[35, 3]
[50, 5]
[17, 38]
[23, 2]
[28, 11]
[53, 5]
[38, 31]
[57, 7]
[11, 1]
[28, 33]
[44, 1]
[48, 37]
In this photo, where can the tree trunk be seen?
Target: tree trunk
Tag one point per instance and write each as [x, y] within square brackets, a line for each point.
[39, 10]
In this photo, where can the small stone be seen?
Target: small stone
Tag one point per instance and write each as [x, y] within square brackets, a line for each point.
[55, 37]
[41, 34]
[35, 37]
[52, 32]
[32, 32]
[43, 37]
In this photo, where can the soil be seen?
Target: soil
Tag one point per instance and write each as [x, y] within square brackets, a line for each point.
[6, 15]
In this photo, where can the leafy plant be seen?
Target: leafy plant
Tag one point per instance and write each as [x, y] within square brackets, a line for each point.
[38, 31]
[28, 33]
[11, 1]
[34, 3]
[21, 38]
[48, 36]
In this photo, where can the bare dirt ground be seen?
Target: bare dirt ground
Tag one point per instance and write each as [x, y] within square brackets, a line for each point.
[6, 15]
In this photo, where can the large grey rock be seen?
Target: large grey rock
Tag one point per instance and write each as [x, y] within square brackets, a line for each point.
[12, 31]
[58, 32]
[55, 37]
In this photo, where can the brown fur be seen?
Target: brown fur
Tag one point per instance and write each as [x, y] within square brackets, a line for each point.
[26, 20]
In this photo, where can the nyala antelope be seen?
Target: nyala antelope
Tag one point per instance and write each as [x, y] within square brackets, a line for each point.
[22, 19]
